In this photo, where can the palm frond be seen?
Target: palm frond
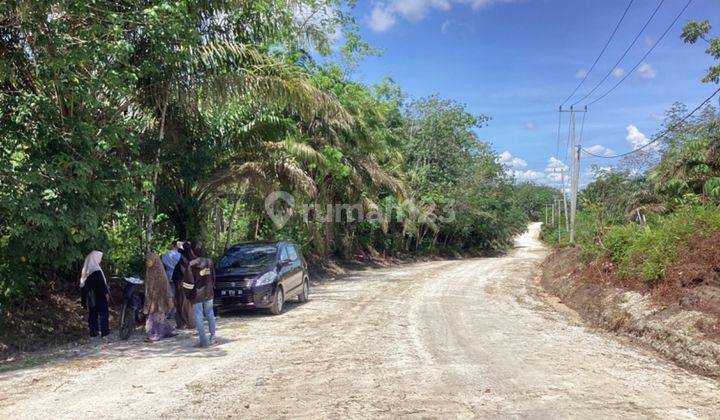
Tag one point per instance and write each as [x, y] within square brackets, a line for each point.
[264, 174]
[293, 174]
[301, 152]
[379, 175]
[233, 69]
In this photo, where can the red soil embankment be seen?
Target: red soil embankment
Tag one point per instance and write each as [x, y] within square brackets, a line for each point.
[678, 318]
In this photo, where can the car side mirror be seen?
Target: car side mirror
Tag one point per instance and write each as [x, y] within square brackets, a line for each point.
[284, 263]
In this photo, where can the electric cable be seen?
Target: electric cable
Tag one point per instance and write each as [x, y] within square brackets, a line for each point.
[607, 43]
[623, 54]
[660, 136]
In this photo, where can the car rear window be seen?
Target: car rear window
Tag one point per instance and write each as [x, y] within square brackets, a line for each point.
[292, 252]
[248, 256]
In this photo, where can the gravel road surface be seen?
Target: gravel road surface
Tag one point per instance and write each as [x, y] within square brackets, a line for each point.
[463, 338]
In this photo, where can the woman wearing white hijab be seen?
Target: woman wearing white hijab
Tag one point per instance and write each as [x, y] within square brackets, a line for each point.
[94, 294]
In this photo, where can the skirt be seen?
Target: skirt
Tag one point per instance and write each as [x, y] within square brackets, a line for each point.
[158, 327]
[184, 315]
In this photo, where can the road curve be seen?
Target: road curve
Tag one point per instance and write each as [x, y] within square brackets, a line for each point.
[461, 338]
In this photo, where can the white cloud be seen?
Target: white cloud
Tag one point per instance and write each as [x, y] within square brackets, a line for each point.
[507, 158]
[637, 139]
[319, 16]
[385, 13]
[554, 165]
[554, 168]
[581, 73]
[380, 19]
[530, 125]
[618, 72]
[445, 26]
[600, 150]
[450, 26]
[659, 117]
[646, 71]
[415, 10]
[479, 4]
[528, 175]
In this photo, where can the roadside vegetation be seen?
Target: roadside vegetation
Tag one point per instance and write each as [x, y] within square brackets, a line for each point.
[127, 125]
[641, 219]
[642, 222]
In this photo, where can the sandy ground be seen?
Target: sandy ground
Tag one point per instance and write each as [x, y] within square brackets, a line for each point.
[438, 339]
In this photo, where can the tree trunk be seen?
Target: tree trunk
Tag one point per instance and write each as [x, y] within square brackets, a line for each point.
[231, 223]
[151, 208]
[257, 227]
[328, 222]
[419, 241]
[218, 225]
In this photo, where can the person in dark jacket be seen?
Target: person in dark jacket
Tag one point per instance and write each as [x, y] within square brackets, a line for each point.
[184, 317]
[94, 294]
[199, 286]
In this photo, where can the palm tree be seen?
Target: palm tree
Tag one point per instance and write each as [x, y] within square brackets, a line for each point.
[196, 59]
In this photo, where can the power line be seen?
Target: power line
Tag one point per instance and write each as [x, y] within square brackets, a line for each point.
[623, 55]
[661, 135]
[644, 56]
[601, 53]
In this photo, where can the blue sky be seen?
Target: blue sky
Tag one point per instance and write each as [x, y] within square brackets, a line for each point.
[516, 61]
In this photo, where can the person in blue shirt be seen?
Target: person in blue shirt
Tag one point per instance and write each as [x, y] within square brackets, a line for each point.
[170, 260]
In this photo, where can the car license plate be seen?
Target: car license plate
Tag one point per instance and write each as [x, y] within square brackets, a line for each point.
[231, 293]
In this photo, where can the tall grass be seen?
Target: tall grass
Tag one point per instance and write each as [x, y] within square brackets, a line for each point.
[646, 251]
[639, 251]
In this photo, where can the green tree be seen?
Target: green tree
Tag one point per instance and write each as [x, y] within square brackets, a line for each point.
[695, 31]
[68, 133]
[533, 198]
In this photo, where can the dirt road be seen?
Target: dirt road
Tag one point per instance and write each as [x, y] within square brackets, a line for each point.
[439, 339]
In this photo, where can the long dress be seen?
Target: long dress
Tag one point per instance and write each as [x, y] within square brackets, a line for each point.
[184, 317]
[157, 326]
[158, 300]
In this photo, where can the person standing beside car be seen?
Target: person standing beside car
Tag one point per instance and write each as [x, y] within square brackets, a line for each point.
[94, 294]
[170, 260]
[199, 287]
[184, 317]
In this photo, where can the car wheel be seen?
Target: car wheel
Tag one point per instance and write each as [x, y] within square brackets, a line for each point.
[305, 294]
[279, 301]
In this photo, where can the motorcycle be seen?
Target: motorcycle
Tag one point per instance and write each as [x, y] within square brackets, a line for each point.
[131, 314]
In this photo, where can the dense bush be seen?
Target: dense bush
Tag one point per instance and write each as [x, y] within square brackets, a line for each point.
[645, 251]
[126, 126]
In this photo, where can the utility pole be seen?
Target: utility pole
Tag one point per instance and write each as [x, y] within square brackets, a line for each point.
[574, 191]
[559, 223]
[562, 189]
[552, 215]
[574, 152]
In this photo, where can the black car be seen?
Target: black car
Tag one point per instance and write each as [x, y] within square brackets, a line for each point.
[261, 275]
